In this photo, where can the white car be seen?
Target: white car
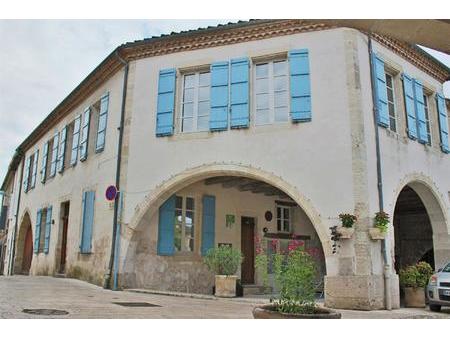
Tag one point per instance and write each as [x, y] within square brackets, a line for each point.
[438, 289]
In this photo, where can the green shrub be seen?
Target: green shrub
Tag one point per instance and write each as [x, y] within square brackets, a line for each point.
[415, 276]
[381, 221]
[223, 260]
[347, 220]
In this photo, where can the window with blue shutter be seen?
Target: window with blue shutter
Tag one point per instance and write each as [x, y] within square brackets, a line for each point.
[419, 105]
[34, 168]
[75, 140]
[48, 226]
[62, 150]
[26, 174]
[85, 135]
[443, 123]
[166, 102]
[300, 85]
[239, 105]
[87, 221]
[102, 119]
[380, 91]
[166, 228]
[218, 119]
[54, 157]
[44, 163]
[208, 223]
[37, 231]
[408, 93]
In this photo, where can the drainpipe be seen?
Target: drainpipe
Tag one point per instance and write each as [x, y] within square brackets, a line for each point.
[16, 222]
[384, 243]
[113, 266]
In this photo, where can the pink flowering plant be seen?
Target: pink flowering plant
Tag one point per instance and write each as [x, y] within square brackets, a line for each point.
[294, 274]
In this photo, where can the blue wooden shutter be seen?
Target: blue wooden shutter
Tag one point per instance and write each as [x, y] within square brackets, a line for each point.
[44, 163]
[26, 174]
[75, 140]
[102, 119]
[300, 85]
[62, 149]
[380, 91]
[166, 228]
[84, 143]
[239, 105]
[419, 105]
[208, 223]
[37, 231]
[166, 102]
[443, 123]
[88, 221]
[34, 168]
[408, 93]
[48, 226]
[218, 118]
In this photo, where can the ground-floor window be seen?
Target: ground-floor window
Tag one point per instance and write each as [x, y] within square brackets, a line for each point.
[283, 218]
[184, 223]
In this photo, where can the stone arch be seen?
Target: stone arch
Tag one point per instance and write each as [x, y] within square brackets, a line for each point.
[151, 203]
[25, 229]
[433, 202]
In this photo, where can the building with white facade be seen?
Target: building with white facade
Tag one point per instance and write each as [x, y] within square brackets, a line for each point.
[237, 134]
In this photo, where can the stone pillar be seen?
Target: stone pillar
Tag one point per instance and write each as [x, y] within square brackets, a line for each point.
[359, 282]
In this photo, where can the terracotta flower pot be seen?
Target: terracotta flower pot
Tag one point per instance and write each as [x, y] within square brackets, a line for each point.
[376, 234]
[414, 297]
[225, 286]
[345, 233]
[269, 312]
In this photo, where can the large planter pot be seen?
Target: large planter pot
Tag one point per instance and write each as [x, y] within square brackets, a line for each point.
[269, 312]
[414, 297]
[225, 286]
[376, 234]
[345, 233]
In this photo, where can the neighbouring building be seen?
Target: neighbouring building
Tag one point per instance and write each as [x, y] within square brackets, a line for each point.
[234, 135]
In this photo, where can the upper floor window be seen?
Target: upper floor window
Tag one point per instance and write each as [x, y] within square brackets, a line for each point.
[184, 223]
[391, 102]
[195, 105]
[271, 92]
[283, 218]
[427, 118]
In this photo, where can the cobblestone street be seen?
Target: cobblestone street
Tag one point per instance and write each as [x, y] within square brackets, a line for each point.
[84, 300]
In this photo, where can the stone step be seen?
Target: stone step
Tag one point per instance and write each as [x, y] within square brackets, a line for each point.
[60, 275]
[251, 289]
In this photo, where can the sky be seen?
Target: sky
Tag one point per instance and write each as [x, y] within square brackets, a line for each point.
[42, 61]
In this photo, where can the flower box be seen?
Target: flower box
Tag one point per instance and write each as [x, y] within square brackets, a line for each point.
[376, 234]
[345, 233]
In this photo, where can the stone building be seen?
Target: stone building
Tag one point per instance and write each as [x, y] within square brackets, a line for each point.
[267, 129]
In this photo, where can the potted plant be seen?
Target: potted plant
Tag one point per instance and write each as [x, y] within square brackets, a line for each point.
[346, 230]
[381, 223]
[413, 280]
[294, 276]
[224, 261]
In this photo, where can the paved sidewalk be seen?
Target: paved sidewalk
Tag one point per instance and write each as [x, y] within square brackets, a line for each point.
[84, 300]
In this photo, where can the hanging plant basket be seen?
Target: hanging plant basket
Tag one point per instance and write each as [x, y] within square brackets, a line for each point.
[376, 234]
[345, 233]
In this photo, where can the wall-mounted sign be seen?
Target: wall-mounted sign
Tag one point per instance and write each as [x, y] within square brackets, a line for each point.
[229, 220]
[111, 193]
[268, 216]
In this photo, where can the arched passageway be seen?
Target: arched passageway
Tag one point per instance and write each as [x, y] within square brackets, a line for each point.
[246, 209]
[24, 251]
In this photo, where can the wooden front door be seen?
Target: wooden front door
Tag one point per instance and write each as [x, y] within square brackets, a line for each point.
[27, 252]
[248, 250]
[62, 265]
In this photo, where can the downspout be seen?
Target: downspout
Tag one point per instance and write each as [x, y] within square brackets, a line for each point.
[117, 202]
[384, 244]
[16, 223]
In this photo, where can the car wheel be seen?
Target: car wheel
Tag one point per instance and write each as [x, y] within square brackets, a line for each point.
[435, 308]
